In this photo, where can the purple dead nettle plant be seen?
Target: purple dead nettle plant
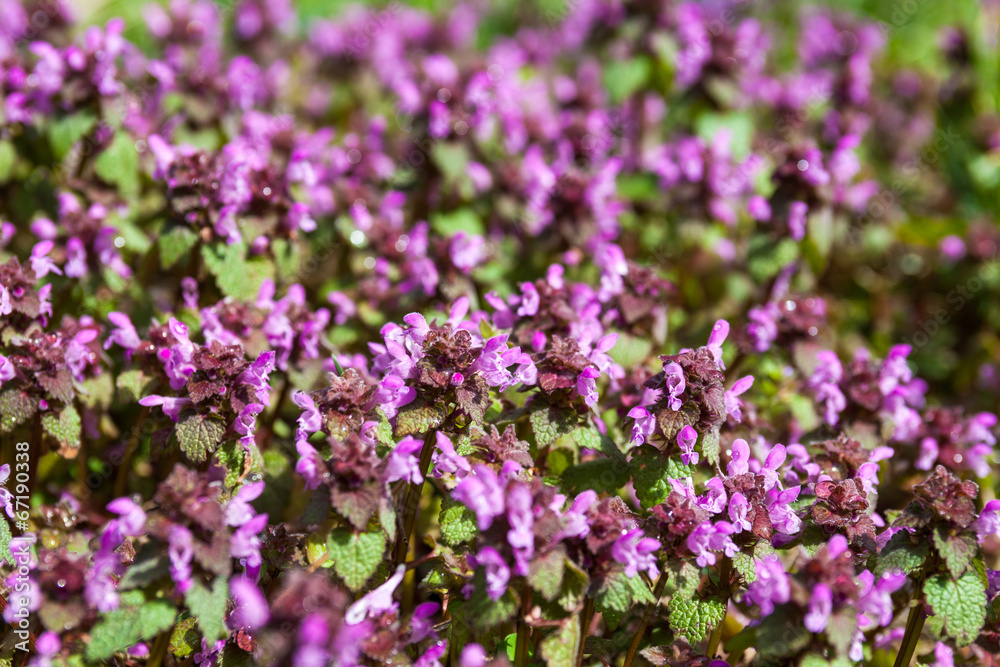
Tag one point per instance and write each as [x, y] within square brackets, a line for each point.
[494, 336]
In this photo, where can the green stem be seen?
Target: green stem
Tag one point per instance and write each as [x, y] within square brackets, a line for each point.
[725, 569]
[125, 468]
[523, 631]
[159, 650]
[633, 647]
[411, 501]
[914, 625]
[585, 619]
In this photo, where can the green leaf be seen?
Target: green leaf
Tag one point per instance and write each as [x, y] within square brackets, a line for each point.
[236, 275]
[575, 585]
[209, 606]
[458, 523]
[651, 472]
[64, 427]
[129, 625]
[66, 131]
[603, 475]
[482, 612]
[132, 385]
[419, 417]
[119, 164]
[961, 604]
[671, 422]
[956, 550]
[630, 351]
[185, 640]
[97, 392]
[8, 155]
[461, 220]
[149, 565]
[199, 435]
[233, 455]
[616, 595]
[549, 424]
[766, 258]
[175, 244]
[624, 77]
[546, 572]
[692, 617]
[16, 407]
[901, 553]
[355, 556]
[5, 538]
[739, 125]
[559, 648]
[710, 446]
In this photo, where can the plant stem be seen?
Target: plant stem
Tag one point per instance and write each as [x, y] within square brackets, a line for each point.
[121, 481]
[585, 619]
[725, 568]
[159, 650]
[914, 625]
[647, 615]
[411, 501]
[523, 631]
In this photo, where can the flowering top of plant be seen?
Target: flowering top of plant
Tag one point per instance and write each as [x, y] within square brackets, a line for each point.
[498, 333]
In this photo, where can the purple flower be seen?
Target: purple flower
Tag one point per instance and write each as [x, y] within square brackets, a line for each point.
[171, 406]
[733, 403]
[635, 552]
[246, 423]
[759, 209]
[239, 510]
[131, 520]
[797, 212]
[739, 463]
[404, 461]
[421, 625]
[445, 460]
[493, 361]
[124, 333]
[473, 655]
[575, 522]
[467, 251]
[820, 608]
[875, 600]
[497, 572]
[521, 519]
[738, 509]
[250, 609]
[708, 538]
[245, 544]
[771, 587]
[643, 426]
[7, 370]
[685, 440]
[376, 602]
[824, 381]
[783, 517]
[257, 376]
[310, 421]
[529, 300]
[988, 522]
[674, 378]
[586, 385]
[715, 340]
[181, 550]
[482, 493]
